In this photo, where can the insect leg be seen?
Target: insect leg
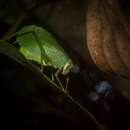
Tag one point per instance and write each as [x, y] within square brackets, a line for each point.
[41, 67]
[42, 50]
[57, 78]
[67, 84]
[52, 74]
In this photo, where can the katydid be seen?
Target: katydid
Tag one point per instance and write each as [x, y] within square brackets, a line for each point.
[39, 45]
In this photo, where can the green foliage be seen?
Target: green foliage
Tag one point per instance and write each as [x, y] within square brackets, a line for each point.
[10, 51]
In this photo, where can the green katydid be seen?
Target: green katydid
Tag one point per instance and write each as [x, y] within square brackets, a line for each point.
[39, 45]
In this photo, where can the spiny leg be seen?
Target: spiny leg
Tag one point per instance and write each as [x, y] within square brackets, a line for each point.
[44, 57]
[57, 78]
[52, 74]
[67, 84]
[41, 67]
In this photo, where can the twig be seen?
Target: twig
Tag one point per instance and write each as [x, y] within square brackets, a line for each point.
[74, 102]
[16, 25]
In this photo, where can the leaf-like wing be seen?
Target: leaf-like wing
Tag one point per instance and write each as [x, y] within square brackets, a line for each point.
[35, 39]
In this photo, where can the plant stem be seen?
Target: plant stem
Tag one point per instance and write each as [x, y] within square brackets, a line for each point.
[84, 110]
[16, 25]
[53, 84]
[5, 38]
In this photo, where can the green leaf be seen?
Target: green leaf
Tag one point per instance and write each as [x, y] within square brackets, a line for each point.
[36, 43]
[10, 51]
